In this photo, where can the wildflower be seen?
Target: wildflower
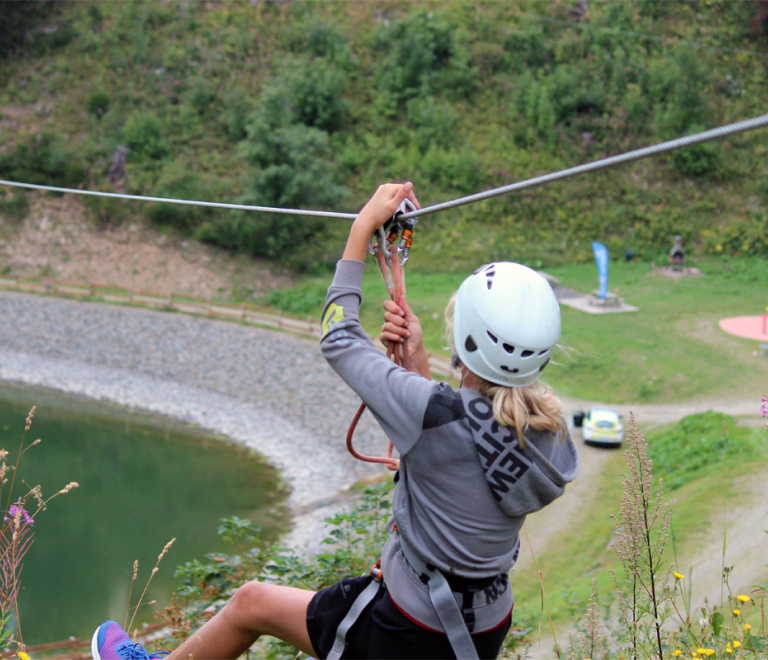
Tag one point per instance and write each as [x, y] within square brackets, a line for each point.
[23, 656]
[16, 511]
[677, 652]
[678, 576]
[703, 622]
[737, 612]
[747, 626]
[709, 652]
[68, 487]
[728, 649]
[702, 651]
[736, 643]
[29, 418]
[765, 406]
[744, 599]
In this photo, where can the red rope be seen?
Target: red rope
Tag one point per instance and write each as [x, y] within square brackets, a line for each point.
[395, 281]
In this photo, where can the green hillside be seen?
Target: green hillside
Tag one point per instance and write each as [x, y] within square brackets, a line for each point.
[313, 103]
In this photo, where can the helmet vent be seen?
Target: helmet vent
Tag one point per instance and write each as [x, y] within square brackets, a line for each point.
[493, 339]
[526, 354]
[509, 349]
[514, 370]
[470, 344]
[489, 282]
[544, 351]
[541, 368]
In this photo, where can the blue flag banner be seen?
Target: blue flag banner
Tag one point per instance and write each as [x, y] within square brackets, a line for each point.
[601, 257]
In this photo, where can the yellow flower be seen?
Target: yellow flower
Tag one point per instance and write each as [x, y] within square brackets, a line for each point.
[747, 626]
[728, 649]
[737, 612]
[710, 652]
[736, 643]
[702, 651]
[22, 655]
[744, 599]
[677, 653]
[678, 576]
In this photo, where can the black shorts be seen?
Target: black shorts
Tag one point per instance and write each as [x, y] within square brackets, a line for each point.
[383, 631]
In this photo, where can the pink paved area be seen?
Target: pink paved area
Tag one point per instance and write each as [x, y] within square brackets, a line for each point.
[750, 327]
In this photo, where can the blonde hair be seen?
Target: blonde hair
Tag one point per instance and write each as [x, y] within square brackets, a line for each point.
[533, 406]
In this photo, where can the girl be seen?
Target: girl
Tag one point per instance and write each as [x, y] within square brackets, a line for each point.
[474, 462]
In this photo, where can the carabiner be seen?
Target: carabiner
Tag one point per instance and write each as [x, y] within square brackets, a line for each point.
[381, 235]
[387, 235]
[406, 238]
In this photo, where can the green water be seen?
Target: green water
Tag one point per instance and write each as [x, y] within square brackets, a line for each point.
[143, 480]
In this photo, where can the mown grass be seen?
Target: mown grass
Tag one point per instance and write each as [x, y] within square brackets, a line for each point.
[671, 350]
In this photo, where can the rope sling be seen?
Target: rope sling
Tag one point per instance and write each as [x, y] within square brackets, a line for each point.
[391, 256]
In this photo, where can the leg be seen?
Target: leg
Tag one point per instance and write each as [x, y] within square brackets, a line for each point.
[256, 609]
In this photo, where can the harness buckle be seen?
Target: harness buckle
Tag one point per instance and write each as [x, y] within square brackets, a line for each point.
[376, 572]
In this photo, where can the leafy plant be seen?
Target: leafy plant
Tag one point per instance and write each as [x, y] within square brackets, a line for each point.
[143, 133]
[98, 104]
[45, 158]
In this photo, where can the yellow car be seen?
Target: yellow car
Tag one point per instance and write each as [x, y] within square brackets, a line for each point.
[602, 426]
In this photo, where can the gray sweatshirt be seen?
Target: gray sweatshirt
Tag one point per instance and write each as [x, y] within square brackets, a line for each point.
[465, 484]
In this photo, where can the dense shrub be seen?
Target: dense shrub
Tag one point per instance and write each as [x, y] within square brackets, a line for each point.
[20, 16]
[43, 159]
[295, 169]
[98, 104]
[422, 56]
[143, 133]
[304, 92]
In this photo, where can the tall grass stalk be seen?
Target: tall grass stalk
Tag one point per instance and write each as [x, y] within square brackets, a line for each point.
[642, 532]
[544, 602]
[146, 586]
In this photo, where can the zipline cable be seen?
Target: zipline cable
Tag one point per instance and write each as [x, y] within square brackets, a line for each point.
[686, 141]
[185, 202]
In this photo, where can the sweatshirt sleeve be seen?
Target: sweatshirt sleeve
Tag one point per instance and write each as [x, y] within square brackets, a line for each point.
[397, 398]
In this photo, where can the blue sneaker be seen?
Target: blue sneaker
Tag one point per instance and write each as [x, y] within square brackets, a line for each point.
[111, 642]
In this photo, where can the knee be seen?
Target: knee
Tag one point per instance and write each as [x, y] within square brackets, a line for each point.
[249, 604]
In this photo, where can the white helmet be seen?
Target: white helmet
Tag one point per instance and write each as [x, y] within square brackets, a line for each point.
[506, 323]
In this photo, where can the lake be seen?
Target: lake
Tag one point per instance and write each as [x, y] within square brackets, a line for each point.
[143, 480]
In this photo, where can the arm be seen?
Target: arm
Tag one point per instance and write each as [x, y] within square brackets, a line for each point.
[396, 397]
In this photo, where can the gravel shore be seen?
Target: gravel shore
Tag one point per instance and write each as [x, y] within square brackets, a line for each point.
[271, 391]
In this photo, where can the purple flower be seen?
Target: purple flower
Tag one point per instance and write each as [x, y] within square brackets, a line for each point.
[765, 406]
[17, 510]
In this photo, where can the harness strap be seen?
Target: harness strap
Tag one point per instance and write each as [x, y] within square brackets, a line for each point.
[444, 603]
[361, 602]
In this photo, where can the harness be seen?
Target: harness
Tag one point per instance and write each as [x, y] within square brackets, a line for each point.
[454, 622]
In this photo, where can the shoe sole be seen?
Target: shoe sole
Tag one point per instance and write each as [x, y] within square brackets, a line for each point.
[94, 646]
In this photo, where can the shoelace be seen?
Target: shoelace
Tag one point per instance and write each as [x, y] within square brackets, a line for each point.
[130, 651]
